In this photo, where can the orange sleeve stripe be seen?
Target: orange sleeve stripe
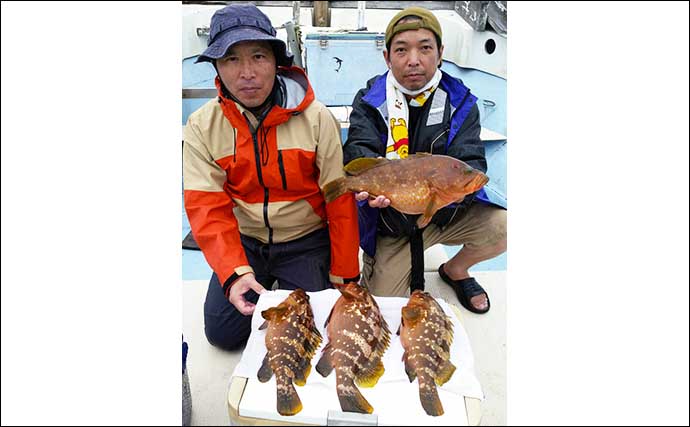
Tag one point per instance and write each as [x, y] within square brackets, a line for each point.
[344, 233]
[215, 230]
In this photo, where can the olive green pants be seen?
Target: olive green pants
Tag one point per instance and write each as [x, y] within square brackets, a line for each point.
[388, 273]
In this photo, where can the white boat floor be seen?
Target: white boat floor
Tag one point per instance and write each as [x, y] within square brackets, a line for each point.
[210, 368]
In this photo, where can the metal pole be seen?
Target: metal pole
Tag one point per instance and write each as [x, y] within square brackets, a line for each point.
[295, 12]
[361, 7]
[294, 43]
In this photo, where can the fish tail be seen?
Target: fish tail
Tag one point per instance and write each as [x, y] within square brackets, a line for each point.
[351, 400]
[287, 398]
[428, 396]
[335, 189]
[370, 377]
[302, 375]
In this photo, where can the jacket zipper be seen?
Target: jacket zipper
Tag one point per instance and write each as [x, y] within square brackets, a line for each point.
[281, 168]
[261, 182]
[436, 139]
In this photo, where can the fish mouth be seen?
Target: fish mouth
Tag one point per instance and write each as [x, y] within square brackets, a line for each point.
[478, 182]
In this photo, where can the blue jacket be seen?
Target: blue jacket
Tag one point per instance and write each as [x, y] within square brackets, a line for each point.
[449, 124]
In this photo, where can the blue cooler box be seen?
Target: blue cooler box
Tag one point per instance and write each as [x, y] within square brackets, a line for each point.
[340, 64]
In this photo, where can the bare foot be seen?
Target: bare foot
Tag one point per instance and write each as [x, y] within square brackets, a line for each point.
[479, 302]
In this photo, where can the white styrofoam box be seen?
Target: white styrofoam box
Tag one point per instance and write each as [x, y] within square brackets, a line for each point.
[469, 48]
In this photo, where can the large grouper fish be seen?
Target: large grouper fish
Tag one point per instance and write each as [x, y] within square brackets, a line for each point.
[291, 340]
[358, 335]
[426, 334]
[419, 184]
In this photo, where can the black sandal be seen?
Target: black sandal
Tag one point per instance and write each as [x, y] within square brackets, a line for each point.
[465, 289]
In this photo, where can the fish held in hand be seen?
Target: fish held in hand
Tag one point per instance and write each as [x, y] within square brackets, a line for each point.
[420, 184]
[358, 335]
[291, 340]
[426, 334]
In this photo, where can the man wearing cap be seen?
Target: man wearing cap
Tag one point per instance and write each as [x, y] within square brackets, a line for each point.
[416, 107]
[255, 160]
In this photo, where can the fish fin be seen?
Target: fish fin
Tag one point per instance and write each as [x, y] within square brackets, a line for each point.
[302, 375]
[423, 221]
[428, 396]
[265, 372]
[335, 189]
[449, 326]
[361, 165]
[370, 377]
[328, 319]
[411, 373]
[351, 399]
[314, 342]
[429, 212]
[324, 367]
[381, 346]
[399, 327]
[315, 334]
[263, 325]
[445, 345]
[385, 339]
[288, 401]
[446, 371]
[310, 347]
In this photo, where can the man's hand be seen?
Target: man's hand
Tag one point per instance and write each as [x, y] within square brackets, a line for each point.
[375, 202]
[239, 288]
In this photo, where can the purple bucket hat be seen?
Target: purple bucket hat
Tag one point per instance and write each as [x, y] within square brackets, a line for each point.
[242, 22]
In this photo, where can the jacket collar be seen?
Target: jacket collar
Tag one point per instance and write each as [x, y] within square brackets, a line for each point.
[456, 90]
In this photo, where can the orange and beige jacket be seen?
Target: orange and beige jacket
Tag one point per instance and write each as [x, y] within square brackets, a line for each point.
[266, 184]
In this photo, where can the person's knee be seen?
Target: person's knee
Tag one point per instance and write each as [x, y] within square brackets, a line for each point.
[224, 337]
[494, 229]
[498, 225]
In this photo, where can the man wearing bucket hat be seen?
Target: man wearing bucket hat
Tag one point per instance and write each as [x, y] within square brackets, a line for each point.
[255, 160]
[428, 111]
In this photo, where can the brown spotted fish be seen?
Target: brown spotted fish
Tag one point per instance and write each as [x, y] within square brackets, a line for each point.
[426, 334]
[291, 340]
[358, 335]
[419, 184]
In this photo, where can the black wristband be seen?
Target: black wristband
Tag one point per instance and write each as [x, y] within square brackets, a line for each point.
[351, 279]
[228, 283]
